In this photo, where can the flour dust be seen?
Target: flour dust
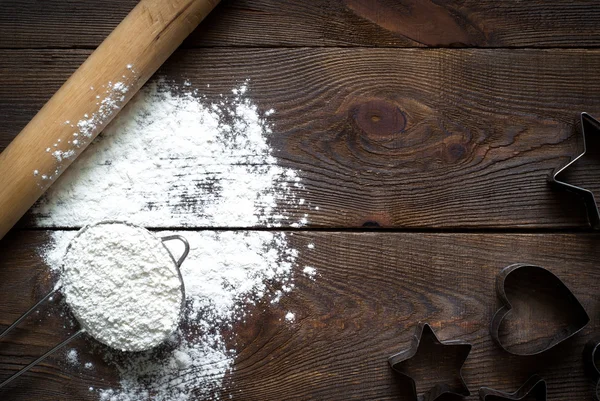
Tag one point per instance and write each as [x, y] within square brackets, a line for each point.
[172, 159]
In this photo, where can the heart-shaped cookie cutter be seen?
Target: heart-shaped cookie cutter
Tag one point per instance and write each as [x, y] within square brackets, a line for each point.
[580, 316]
[535, 386]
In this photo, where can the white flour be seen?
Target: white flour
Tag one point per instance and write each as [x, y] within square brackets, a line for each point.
[310, 272]
[290, 317]
[170, 160]
[122, 285]
[72, 356]
[111, 100]
[223, 271]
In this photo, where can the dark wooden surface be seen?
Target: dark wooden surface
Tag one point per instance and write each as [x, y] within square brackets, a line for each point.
[453, 165]
[290, 23]
[466, 138]
[371, 290]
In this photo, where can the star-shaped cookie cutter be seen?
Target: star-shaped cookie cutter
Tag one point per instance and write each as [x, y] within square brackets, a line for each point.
[535, 386]
[588, 123]
[424, 331]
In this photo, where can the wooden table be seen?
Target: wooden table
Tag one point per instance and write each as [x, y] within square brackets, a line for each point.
[424, 131]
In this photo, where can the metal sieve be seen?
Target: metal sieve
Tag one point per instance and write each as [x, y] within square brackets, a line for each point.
[177, 264]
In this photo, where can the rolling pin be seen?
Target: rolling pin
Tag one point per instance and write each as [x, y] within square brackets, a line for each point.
[90, 99]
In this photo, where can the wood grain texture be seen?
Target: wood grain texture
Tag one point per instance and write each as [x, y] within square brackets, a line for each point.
[389, 137]
[387, 23]
[370, 291]
[400, 138]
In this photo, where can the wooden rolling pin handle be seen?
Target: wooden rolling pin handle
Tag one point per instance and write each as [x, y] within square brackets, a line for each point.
[91, 98]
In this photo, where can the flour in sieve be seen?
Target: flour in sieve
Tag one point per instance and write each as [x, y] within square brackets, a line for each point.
[223, 271]
[122, 285]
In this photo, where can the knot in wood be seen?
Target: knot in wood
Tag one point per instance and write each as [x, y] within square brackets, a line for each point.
[379, 118]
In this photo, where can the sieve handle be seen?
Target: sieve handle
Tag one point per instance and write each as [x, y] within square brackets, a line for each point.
[41, 358]
[29, 312]
[186, 245]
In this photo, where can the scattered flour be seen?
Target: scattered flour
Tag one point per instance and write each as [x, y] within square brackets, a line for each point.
[223, 271]
[107, 104]
[72, 356]
[172, 160]
[122, 285]
[290, 317]
[54, 250]
[311, 272]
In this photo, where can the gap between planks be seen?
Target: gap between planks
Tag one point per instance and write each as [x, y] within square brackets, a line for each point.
[407, 230]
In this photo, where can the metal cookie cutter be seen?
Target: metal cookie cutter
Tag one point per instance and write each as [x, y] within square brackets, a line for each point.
[534, 387]
[579, 316]
[588, 124]
[424, 333]
[590, 353]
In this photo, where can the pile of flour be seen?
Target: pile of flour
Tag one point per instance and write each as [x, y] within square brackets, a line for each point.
[122, 285]
[172, 159]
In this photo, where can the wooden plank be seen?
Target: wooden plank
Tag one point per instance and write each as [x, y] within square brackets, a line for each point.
[370, 291]
[389, 137]
[473, 23]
